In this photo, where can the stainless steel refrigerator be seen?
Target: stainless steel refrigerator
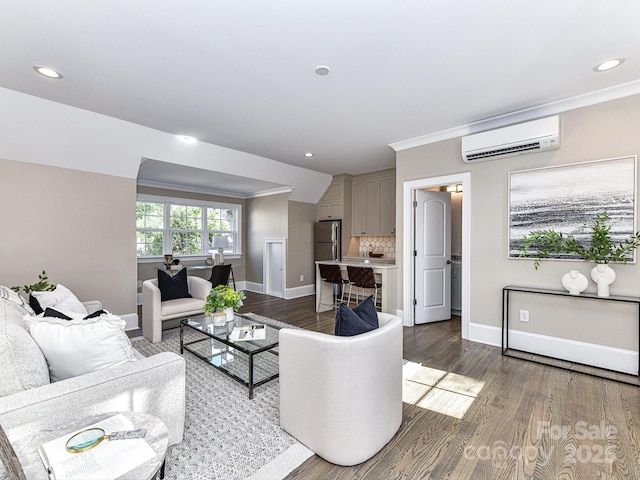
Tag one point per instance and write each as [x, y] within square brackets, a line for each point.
[327, 240]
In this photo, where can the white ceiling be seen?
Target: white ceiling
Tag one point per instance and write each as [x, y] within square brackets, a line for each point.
[154, 173]
[240, 74]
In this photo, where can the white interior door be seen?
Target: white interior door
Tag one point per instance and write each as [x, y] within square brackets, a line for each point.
[432, 256]
[274, 267]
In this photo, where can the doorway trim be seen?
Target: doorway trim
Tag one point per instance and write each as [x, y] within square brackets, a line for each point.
[267, 264]
[408, 232]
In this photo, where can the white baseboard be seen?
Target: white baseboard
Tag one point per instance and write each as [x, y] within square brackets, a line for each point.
[572, 350]
[254, 287]
[131, 320]
[297, 292]
[289, 293]
[241, 285]
[484, 334]
[588, 353]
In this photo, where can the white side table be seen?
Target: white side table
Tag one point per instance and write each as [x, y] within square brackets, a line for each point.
[157, 437]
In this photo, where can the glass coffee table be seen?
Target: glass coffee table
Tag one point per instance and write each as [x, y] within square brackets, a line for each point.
[250, 362]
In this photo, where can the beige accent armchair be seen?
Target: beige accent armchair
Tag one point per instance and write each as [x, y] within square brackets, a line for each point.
[154, 311]
[342, 396]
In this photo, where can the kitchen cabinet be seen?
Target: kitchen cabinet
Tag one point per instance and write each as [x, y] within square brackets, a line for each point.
[387, 205]
[374, 205]
[330, 211]
[336, 200]
[335, 204]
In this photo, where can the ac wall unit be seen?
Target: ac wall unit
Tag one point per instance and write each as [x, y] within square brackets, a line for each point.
[529, 137]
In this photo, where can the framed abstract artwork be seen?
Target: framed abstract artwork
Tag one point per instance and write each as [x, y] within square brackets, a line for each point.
[567, 197]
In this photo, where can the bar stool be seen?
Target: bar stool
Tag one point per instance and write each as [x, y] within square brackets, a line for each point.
[332, 274]
[364, 279]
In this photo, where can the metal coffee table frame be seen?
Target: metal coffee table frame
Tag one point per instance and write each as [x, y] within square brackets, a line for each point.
[250, 348]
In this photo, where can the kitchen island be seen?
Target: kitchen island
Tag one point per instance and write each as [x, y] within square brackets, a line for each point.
[388, 277]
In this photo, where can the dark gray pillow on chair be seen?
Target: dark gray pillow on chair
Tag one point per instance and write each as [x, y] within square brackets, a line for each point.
[172, 287]
[363, 318]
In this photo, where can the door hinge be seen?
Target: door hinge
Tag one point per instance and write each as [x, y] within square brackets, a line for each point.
[415, 204]
[415, 302]
[415, 253]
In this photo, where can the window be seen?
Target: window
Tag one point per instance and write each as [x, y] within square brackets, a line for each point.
[149, 228]
[220, 222]
[184, 227]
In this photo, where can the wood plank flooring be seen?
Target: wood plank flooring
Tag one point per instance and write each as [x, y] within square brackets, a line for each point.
[470, 413]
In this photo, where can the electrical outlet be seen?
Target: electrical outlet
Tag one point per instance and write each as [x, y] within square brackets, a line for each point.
[302, 278]
[524, 315]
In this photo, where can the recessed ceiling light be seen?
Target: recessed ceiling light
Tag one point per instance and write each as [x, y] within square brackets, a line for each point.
[322, 70]
[186, 139]
[608, 64]
[309, 154]
[47, 72]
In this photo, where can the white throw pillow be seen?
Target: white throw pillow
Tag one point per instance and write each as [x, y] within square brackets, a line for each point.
[7, 294]
[76, 347]
[60, 299]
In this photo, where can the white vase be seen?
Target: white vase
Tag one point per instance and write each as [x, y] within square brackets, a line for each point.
[229, 313]
[604, 276]
[575, 282]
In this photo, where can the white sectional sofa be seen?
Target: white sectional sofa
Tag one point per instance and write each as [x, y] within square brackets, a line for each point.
[30, 404]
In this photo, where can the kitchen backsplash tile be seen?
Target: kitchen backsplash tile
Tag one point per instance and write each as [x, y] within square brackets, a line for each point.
[386, 245]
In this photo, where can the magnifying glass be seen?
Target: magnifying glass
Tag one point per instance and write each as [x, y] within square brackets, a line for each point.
[85, 440]
[91, 437]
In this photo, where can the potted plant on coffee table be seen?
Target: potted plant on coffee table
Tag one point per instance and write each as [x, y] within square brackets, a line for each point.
[224, 299]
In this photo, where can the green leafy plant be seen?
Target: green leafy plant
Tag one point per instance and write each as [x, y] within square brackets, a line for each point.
[42, 285]
[222, 297]
[600, 249]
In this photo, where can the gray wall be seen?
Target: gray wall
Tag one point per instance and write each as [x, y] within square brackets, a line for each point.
[277, 217]
[607, 130]
[300, 259]
[78, 226]
[266, 218]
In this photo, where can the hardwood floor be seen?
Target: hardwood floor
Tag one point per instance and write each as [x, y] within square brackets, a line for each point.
[470, 413]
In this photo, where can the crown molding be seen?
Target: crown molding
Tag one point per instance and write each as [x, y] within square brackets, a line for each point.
[274, 191]
[207, 191]
[552, 108]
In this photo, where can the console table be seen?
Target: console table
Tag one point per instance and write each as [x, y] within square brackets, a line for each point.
[506, 350]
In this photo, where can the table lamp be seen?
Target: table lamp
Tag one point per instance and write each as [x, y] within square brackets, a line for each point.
[220, 242]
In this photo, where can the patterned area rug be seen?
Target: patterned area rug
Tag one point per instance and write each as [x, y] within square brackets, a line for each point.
[227, 436]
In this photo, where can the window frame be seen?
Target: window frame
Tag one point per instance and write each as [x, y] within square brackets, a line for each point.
[150, 230]
[205, 246]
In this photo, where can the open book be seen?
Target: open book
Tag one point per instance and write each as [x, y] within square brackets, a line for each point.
[248, 332]
[108, 460]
